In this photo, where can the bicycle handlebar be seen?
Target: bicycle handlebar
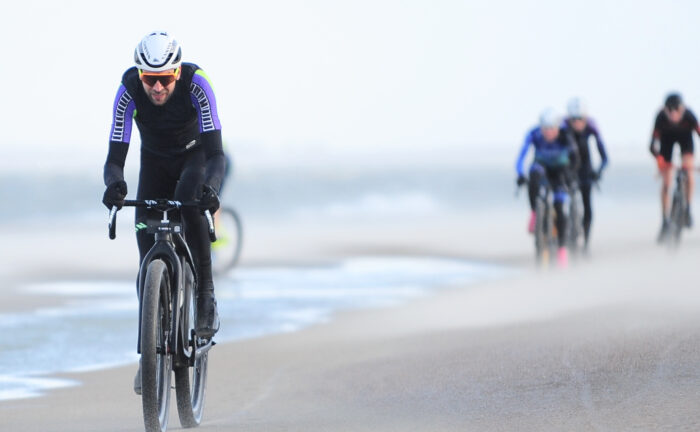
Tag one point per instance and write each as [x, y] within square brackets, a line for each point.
[161, 205]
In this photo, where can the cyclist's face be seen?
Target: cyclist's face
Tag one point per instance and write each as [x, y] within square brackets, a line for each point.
[578, 123]
[159, 93]
[675, 116]
[550, 133]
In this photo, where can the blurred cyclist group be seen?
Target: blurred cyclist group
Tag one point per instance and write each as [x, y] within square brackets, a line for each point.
[562, 159]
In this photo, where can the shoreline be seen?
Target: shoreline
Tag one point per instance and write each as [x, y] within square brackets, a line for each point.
[250, 286]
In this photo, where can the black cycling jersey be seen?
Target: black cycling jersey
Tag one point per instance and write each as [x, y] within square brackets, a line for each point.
[188, 120]
[586, 169]
[669, 134]
[181, 150]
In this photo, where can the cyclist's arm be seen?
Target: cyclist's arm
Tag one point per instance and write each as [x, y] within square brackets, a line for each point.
[694, 121]
[120, 135]
[520, 163]
[204, 102]
[655, 135]
[599, 143]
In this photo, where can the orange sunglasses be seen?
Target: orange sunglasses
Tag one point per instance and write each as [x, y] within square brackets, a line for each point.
[151, 78]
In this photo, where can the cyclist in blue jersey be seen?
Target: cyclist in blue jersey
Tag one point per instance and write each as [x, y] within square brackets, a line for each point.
[581, 128]
[555, 154]
[174, 108]
[674, 123]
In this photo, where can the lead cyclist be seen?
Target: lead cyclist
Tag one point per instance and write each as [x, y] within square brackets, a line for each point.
[174, 108]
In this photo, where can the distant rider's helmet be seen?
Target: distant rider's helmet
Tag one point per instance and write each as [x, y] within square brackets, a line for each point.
[673, 101]
[158, 52]
[576, 108]
[549, 119]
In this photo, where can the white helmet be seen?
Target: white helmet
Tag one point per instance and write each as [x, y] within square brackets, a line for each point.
[549, 118]
[158, 52]
[576, 108]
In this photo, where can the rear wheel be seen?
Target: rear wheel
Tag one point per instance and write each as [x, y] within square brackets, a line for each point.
[156, 362]
[190, 379]
[226, 250]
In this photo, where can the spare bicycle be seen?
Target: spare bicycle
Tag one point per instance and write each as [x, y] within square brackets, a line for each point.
[168, 341]
[226, 250]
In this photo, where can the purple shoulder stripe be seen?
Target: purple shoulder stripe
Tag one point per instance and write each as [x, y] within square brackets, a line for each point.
[122, 115]
[204, 102]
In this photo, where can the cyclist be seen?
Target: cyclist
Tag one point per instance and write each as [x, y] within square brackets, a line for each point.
[674, 124]
[581, 127]
[221, 236]
[555, 153]
[175, 110]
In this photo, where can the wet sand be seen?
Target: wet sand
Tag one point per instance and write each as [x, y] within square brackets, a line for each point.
[612, 343]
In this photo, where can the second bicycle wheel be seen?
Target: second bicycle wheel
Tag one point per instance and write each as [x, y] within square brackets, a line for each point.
[190, 380]
[227, 248]
[156, 363]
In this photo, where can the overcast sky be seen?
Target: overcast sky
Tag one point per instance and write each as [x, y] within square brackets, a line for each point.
[300, 79]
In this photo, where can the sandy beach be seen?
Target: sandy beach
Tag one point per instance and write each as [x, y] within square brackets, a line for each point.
[612, 343]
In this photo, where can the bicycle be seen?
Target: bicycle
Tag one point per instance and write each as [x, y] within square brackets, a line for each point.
[545, 230]
[226, 250]
[167, 337]
[679, 208]
[545, 225]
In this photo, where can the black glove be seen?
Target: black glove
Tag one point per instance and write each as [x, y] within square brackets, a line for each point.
[209, 199]
[115, 194]
[521, 180]
[653, 150]
[595, 175]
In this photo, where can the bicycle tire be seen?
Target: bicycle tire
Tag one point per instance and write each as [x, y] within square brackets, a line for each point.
[190, 380]
[226, 251]
[156, 363]
[541, 238]
[575, 224]
[676, 219]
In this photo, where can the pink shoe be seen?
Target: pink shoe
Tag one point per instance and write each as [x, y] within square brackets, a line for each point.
[531, 224]
[562, 257]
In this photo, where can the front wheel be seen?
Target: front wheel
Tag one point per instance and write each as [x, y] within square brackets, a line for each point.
[156, 362]
[541, 232]
[575, 231]
[676, 220]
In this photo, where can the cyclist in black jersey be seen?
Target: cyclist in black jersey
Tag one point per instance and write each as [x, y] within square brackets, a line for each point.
[675, 123]
[174, 107]
[581, 127]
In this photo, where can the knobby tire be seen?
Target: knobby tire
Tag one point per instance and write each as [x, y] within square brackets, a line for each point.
[156, 362]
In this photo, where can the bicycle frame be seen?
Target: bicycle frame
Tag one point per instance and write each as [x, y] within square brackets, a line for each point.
[172, 249]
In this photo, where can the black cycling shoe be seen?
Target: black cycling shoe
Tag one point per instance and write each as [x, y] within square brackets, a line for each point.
[207, 316]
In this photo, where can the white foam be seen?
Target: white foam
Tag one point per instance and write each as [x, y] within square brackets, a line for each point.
[259, 301]
[23, 387]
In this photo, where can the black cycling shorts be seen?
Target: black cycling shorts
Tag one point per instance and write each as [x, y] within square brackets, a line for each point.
[666, 147]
